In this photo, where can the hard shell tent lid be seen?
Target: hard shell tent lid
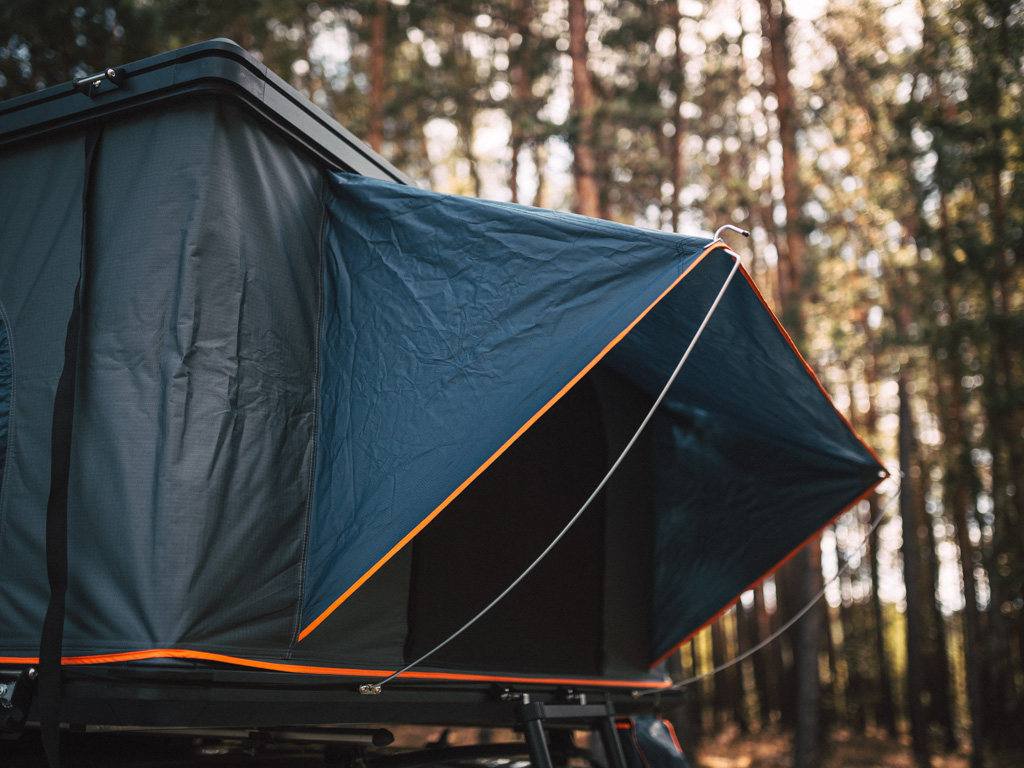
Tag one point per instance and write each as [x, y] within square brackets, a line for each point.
[320, 418]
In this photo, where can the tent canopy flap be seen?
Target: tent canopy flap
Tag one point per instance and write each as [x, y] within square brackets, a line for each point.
[451, 324]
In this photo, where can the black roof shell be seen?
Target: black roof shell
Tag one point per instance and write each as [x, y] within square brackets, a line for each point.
[214, 66]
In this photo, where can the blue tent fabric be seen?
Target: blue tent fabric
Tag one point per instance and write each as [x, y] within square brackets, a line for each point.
[767, 460]
[449, 323]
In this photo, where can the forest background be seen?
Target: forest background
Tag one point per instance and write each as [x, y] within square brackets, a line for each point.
[875, 149]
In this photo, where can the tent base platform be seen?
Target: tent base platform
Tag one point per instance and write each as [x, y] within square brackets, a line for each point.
[257, 711]
[205, 698]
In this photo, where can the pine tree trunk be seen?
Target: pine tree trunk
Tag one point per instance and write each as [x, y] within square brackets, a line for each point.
[807, 563]
[540, 161]
[464, 123]
[765, 671]
[697, 690]
[785, 647]
[885, 711]
[520, 83]
[775, 24]
[743, 644]
[724, 699]
[1000, 672]
[676, 141]
[941, 710]
[807, 741]
[958, 475]
[1003, 410]
[752, 624]
[584, 166]
[854, 709]
[1007, 420]
[833, 694]
[971, 622]
[378, 53]
[911, 579]
[516, 145]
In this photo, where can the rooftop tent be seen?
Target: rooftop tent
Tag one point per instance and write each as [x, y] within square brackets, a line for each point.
[320, 417]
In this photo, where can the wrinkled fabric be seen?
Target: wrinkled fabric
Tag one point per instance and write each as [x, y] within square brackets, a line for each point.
[448, 323]
[193, 436]
[40, 249]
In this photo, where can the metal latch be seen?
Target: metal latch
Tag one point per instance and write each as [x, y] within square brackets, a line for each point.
[15, 698]
[91, 85]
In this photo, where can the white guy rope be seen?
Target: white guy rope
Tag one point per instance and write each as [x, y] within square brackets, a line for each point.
[795, 618]
[375, 688]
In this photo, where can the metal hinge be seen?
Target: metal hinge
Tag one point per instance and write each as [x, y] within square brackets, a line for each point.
[92, 84]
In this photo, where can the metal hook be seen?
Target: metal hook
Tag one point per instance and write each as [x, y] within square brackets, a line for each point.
[718, 233]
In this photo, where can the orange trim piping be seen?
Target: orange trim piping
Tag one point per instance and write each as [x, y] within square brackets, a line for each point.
[672, 732]
[465, 484]
[178, 653]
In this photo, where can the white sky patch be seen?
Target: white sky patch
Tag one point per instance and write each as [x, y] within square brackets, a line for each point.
[493, 131]
[557, 108]
[333, 49]
[951, 596]
[558, 176]
[807, 9]
[905, 16]
[442, 137]
[771, 603]
[491, 135]
[890, 565]
[665, 44]
[431, 53]
[527, 181]
[747, 599]
[830, 567]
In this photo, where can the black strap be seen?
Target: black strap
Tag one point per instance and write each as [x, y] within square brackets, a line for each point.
[52, 640]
